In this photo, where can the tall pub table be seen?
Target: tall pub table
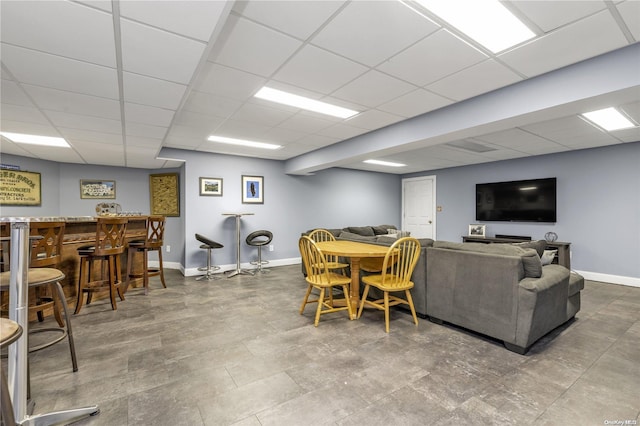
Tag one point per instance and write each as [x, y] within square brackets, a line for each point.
[238, 270]
[18, 351]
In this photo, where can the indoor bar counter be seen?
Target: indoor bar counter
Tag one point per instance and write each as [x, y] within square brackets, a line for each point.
[80, 231]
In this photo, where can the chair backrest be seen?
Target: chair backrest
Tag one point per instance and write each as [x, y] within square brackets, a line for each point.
[319, 235]
[399, 262]
[314, 260]
[110, 235]
[46, 251]
[155, 231]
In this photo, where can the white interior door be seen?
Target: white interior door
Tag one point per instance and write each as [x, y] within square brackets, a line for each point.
[418, 206]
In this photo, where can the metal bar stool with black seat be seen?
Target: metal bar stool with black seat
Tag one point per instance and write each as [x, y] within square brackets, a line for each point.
[210, 269]
[152, 242]
[259, 239]
[44, 284]
[108, 248]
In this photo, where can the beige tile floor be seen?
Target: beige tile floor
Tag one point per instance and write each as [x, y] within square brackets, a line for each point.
[236, 352]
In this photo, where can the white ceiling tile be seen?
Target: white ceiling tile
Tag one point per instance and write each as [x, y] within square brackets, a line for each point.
[79, 135]
[628, 135]
[100, 4]
[143, 158]
[373, 119]
[28, 114]
[75, 103]
[342, 131]
[559, 48]
[152, 91]
[42, 69]
[12, 94]
[196, 19]
[145, 130]
[178, 132]
[316, 141]
[630, 12]
[202, 122]
[143, 142]
[98, 153]
[181, 142]
[8, 147]
[84, 122]
[319, 70]
[282, 136]
[145, 114]
[549, 15]
[62, 155]
[475, 80]
[60, 28]
[252, 47]
[29, 128]
[415, 103]
[156, 53]
[571, 131]
[434, 57]
[306, 123]
[297, 18]
[370, 32]
[204, 103]
[227, 82]
[261, 115]
[521, 141]
[373, 88]
[243, 130]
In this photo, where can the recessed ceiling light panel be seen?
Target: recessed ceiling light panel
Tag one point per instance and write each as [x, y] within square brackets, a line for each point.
[609, 119]
[301, 102]
[486, 21]
[384, 163]
[242, 142]
[36, 140]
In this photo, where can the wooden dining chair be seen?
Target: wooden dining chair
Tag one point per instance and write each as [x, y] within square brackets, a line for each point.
[333, 262]
[397, 267]
[153, 242]
[320, 277]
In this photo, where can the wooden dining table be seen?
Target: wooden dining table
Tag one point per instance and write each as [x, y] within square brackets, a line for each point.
[355, 251]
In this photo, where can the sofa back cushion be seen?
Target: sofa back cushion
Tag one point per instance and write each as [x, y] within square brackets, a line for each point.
[344, 235]
[365, 231]
[530, 259]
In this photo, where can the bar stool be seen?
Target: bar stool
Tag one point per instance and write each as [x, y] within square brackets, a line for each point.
[109, 246]
[45, 254]
[258, 239]
[10, 331]
[152, 242]
[209, 245]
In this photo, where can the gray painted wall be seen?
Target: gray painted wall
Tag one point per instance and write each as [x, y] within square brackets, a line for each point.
[598, 204]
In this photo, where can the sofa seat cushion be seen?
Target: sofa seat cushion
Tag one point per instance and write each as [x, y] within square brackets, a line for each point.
[576, 283]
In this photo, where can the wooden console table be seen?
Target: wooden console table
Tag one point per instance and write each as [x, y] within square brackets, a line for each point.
[563, 256]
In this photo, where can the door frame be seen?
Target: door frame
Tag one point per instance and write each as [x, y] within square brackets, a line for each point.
[433, 206]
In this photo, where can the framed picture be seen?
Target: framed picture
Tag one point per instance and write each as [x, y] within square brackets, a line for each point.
[165, 194]
[98, 189]
[477, 230]
[252, 189]
[18, 188]
[210, 186]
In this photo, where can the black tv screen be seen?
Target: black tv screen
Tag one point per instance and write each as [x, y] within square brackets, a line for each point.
[531, 200]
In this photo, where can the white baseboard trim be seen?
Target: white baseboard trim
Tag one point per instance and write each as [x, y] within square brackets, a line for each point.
[231, 267]
[612, 279]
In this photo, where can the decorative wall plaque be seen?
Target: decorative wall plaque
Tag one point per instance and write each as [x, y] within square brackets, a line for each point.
[165, 194]
[18, 188]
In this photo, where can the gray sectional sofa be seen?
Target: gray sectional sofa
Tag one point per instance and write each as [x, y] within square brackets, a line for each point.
[499, 290]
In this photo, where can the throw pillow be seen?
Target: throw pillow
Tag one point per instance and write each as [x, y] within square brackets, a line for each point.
[531, 263]
[548, 256]
[382, 229]
[538, 245]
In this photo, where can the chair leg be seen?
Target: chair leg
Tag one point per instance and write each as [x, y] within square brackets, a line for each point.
[161, 268]
[319, 308]
[65, 310]
[56, 306]
[413, 309]
[386, 311]
[118, 274]
[306, 298]
[362, 301]
[145, 272]
[81, 283]
[345, 290]
[130, 255]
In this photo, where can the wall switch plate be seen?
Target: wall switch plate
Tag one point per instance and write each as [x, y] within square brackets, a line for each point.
[168, 248]
[270, 247]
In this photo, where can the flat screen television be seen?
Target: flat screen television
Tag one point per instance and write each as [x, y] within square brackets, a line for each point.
[532, 200]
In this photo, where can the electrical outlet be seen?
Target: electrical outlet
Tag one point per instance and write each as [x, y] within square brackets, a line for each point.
[168, 247]
[270, 247]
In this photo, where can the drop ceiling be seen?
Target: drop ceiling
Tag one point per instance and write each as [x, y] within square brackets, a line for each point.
[121, 80]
